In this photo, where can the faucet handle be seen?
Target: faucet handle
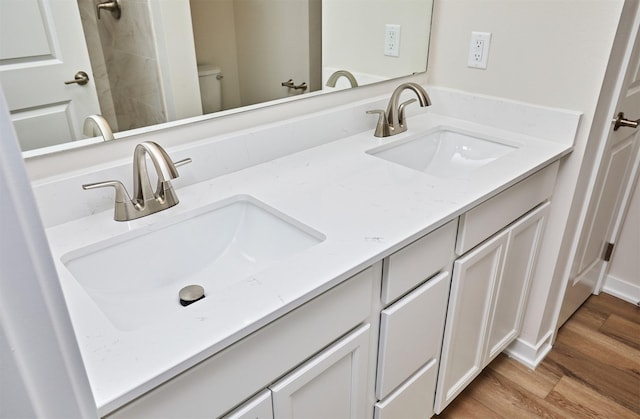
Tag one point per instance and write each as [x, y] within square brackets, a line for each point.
[401, 110]
[182, 162]
[124, 209]
[121, 192]
[164, 185]
[382, 127]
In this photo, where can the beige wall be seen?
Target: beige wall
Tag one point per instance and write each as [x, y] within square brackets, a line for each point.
[551, 53]
[353, 35]
[215, 40]
[239, 37]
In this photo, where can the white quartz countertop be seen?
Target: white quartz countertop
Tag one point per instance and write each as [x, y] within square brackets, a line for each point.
[366, 207]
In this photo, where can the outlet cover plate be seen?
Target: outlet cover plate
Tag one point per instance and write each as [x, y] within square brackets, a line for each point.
[391, 40]
[479, 49]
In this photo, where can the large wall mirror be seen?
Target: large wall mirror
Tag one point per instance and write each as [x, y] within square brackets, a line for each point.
[150, 62]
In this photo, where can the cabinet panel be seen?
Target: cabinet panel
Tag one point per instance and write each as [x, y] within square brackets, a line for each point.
[472, 286]
[331, 385]
[512, 293]
[491, 216]
[419, 260]
[411, 333]
[413, 399]
[258, 407]
[260, 357]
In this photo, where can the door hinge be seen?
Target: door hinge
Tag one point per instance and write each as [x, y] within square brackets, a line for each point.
[608, 250]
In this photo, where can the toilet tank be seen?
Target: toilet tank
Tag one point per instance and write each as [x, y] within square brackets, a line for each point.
[210, 77]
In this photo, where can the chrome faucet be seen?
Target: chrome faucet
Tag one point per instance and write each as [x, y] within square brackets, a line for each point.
[145, 200]
[392, 121]
[95, 125]
[331, 81]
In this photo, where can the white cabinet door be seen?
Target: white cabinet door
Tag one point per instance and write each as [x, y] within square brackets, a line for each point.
[411, 333]
[474, 278]
[330, 385]
[259, 407]
[512, 292]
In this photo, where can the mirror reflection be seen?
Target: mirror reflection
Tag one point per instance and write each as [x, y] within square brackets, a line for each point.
[154, 61]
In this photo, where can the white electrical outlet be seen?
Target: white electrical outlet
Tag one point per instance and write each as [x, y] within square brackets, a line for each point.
[479, 49]
[391, 40]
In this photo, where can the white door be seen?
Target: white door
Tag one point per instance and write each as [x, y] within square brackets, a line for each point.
[42, 45]
[276, 41]
[330, 385]
[617, 172]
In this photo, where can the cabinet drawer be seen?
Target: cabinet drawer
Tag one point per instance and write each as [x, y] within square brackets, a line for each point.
[411, 265]
[414, 399]
[411, 333]
[481, 222]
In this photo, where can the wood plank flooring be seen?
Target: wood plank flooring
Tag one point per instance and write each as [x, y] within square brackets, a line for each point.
[593, 371]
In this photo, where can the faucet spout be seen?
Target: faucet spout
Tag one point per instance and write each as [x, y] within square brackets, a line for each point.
[165, 170]
[331, 81]
[395, 110]
[95, 125]
[392, 121]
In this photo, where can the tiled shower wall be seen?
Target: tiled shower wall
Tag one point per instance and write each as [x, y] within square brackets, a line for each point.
[124, 63]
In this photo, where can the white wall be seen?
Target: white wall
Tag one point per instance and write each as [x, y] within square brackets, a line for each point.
[551, 53]
[624, 276]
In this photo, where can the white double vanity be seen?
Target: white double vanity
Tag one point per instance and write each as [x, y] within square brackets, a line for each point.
[345, 276]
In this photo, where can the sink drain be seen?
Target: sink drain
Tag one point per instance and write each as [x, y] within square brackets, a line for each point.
[190, 294]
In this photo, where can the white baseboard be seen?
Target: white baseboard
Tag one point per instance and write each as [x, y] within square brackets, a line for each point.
[528, 354]
[622, 289]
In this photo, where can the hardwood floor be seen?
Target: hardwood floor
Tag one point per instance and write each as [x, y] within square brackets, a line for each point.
[593, 371]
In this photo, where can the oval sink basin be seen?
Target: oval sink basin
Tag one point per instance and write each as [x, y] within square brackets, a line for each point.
[135, 278]
[444, 153]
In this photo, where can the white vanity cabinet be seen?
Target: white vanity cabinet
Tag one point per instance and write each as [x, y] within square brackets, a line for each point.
[513, 287]
[333, 384]
[490, 283]
[411, 328]
[259, 407]
[321, 349]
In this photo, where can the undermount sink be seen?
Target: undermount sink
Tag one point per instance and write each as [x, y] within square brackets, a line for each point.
[443, 153]
[135, 278]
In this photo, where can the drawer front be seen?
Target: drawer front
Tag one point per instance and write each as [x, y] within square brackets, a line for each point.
[411, 265]
[414, 399]
[411, 333]
[481, 222]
